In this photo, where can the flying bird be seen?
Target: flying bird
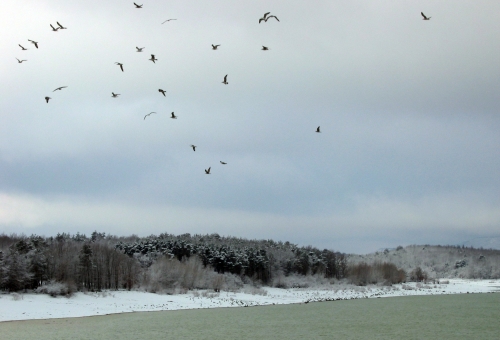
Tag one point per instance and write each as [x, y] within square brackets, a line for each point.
[23, 48]
[54, 29]
[207, 171]
[61, 26]
[153, 59]
[221, 162]
[214, 47]
[272, 16]
[194, 147]
[47, 99]
[162, 91]
[173, 116]
[137, 6]
[264, 48]
[317, 130]
[20, 61]
[225, 80]
[60, 88]
[139, 49]
[114, 95]
[425, 18]
[148, 115]
[264, 17]
[121, 65]
[34, 43]
[167, 21]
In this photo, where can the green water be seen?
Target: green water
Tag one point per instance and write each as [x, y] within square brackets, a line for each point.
[467, 316]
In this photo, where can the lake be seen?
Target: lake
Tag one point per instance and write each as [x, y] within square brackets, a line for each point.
[464, 316]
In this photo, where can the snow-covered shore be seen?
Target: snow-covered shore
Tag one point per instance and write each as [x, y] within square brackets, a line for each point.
[41, 306]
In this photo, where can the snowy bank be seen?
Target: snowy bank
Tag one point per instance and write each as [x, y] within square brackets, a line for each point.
[41, 306]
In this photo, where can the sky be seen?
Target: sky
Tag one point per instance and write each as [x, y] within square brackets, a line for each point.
[408, 153]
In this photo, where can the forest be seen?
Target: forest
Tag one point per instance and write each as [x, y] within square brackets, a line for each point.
[169, 263]
[157, 262]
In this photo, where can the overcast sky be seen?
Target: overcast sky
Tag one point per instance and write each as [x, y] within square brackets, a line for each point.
[409, 149]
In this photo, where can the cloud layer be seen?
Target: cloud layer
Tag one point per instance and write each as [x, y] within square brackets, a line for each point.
[408, 111]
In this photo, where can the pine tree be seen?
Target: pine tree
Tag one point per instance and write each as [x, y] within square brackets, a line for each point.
[16, 274]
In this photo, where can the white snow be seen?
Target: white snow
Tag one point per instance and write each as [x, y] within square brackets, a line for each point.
[41, 306]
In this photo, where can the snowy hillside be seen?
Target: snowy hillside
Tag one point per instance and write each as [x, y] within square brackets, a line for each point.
[439, 261]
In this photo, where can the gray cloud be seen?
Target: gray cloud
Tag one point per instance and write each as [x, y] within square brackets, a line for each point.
[407, 108]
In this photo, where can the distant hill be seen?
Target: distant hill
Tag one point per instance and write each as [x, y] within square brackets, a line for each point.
[440, 261]
[484, 242]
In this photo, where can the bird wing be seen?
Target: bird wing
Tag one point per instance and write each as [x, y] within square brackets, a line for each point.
[423, 15]
[266, 14]
[225, 77]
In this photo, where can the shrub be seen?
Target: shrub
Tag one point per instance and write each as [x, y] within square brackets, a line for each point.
[386, 273]
[56, 289]
[418, 275]
[16, 297]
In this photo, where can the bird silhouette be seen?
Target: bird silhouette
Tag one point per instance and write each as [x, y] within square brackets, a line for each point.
[20, 61]
[137, 6]
[153, 58]
[225, 80]
[47, 99]
[148, 115]
[139, 49]
[23, 48]
[425, 18]
[221, 162]
[114, 95]
[207, 171]
[194, 147]
[167, 21]
[121, 65]
[317, 130]
[264, 17]
[264, 48]
[173, 116]
[60, 88]
[162, 91]
[34, 43]
[214, 47]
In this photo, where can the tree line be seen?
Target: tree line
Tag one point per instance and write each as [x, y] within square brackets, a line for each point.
[103, 261]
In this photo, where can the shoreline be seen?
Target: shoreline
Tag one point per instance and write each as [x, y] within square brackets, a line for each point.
[31, 306]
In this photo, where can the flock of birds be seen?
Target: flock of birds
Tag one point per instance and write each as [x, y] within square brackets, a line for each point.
[153, 58]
